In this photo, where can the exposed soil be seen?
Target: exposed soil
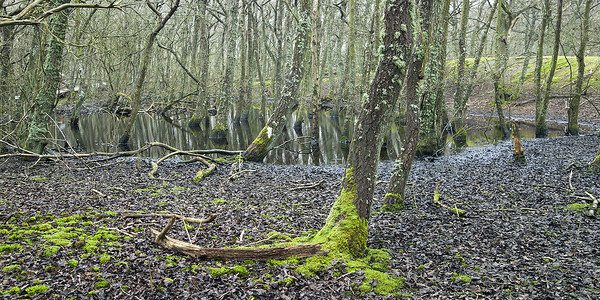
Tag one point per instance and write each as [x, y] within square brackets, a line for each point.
[521, 238]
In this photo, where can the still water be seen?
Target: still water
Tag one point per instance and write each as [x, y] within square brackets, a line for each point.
[101, 132]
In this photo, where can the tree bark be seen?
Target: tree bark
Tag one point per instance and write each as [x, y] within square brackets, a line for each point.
[346, 228]
[573, 111]
[136, 100]
[45, 101]
[272, 130]
[541, 129]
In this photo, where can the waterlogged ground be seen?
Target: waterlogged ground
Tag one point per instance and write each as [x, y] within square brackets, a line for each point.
[62, 234]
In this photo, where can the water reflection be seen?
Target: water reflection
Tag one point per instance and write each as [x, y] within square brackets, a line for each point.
[101, 133]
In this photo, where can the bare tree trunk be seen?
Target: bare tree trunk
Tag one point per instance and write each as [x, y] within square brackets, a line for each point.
[528, 40]
[573, 111]
[278, 27]
[244, 61]
[272, 130]
[45, 101]
[263, 88]
[539, 58]
[473, 71]
[316, 76]
[219, 130]
[541, 130]
[202, 39]
[6, 97]
[345, 230]
[162, 21]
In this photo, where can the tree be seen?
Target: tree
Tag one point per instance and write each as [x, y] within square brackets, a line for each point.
[272, 130]
[432, 105]
[45, 100]
[541, 108]
[501, 89]
[573, 111]
[460, 136]
[346, 228]
[539, 57]
[136, 100]
[201, 39]
[219, 130]
[394, 197]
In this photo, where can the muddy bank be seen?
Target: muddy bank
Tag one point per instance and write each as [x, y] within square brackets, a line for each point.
[522, 237]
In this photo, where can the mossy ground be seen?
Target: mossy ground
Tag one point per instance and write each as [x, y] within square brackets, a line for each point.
[81, 237]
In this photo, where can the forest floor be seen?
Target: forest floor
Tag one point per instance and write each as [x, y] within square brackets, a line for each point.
[525, 235]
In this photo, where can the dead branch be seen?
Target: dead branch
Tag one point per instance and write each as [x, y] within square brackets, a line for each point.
[308, 186]
[187, 219]
[594, 206]
[237, 253]
[436, 199]
[204, 172]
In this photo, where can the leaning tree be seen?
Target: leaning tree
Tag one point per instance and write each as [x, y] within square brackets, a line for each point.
[346, 228]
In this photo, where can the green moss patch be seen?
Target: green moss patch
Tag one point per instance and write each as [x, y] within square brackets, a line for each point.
[240, 270]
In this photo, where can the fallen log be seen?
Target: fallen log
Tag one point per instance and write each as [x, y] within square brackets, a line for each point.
[237, 253]
[240, 254]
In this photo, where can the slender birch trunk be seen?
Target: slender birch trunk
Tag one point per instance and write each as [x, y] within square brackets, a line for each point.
[573, 111]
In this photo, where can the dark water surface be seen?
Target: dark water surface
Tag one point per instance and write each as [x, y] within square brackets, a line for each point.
[101, 132]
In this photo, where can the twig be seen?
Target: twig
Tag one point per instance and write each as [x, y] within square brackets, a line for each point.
[98, 192]
[236, 175]
[162, 234]
[187, 219]
[308, 186]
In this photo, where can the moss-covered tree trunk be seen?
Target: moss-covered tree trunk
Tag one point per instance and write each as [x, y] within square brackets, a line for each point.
[272, 130]
[346, 228]
[541, 108]
[430, 110]
[201, 38]
[136, 100]
[460, 134]
[219, 130]
[501, 89]
[573, 111]
[45, 101]
[394, 197]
